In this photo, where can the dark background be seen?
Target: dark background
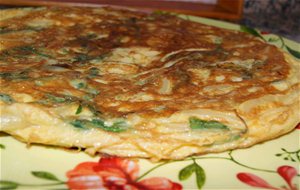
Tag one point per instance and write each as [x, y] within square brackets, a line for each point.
[276, 16]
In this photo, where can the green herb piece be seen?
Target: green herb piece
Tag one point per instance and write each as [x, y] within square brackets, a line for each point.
[93, 72]
[25, 48]
[23, 52]
[45, 175]
[81, 58]
[196, 123]
[55, 99]
[82, 84]
[79, 109]
[2, 146]
[30, 49]
[116, 127]
[50, 98]
[59, 99]
[79, 123]
[98, 122]
[98, 58]
[92, 91]
[23, 75]
[93, 109]
[78, 83]
[6, 98]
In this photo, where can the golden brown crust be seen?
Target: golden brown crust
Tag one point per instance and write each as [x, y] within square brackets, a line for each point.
[154, 71]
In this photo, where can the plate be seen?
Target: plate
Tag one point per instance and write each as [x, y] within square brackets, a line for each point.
[270, 165]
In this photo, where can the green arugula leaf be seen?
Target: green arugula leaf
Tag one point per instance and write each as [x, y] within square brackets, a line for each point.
[93, 109]
[196, 123]
[82, 84]
[60, 98]
[8, 185]
[93, 72]
[251, 31]
[55, 99]
[116, 127]
[186, 172]
[78, 83]
[293, 52]
[81, 58]
[79, 123]
[23, 75]
[28, 50]
[2, 146]
[6, 98]
[98, 123]
[79, 109]
[45, 175]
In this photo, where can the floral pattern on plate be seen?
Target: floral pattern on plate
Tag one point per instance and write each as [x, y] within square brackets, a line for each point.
[115, 173]
[288, 173]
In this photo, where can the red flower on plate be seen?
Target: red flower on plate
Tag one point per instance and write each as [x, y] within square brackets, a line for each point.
[115, 174]
[286, 172]
[264, 32]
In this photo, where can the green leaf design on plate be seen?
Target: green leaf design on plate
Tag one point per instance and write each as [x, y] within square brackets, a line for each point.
[251, 31]
[44, 175]
[200, 175]
[293, 52]
[8, 185]
[186, 172]
[2, 146]
[293, 156]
